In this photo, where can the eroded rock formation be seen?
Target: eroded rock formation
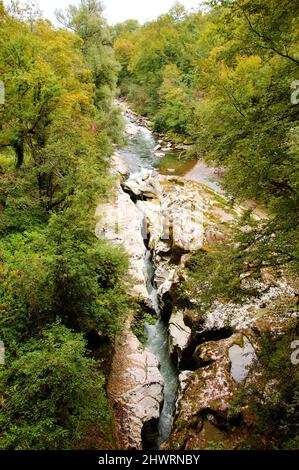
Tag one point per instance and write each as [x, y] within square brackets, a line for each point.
[136, 388]
[175, 218]
[135, 384]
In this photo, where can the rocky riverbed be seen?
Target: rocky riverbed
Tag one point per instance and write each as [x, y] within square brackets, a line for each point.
[173, 217]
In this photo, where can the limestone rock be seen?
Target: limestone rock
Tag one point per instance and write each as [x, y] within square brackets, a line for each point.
[136, 388]
[145, 184]
[174, 221]
[176, 213]
[118, 166]
[179, 335]
[151, 211]
[120, 223]
[272, 311]
[183, 382]
[208, 390]
[213, 235]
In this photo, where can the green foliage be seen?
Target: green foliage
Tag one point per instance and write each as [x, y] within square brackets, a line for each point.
[57, 131]
[43, 277]
[141, 317]
[280, 415]
[223, 80]
[228, 271]
[51, 392]
[245, 120]
[88, 23]
[149, 55]
[275, 423]
[27, 285]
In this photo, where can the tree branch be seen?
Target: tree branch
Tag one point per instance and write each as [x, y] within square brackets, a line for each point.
[267, 40]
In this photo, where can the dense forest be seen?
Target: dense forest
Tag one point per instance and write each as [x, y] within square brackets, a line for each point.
[58, 283]
[223, 81]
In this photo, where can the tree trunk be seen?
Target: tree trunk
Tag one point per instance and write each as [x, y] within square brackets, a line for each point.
[19, 149]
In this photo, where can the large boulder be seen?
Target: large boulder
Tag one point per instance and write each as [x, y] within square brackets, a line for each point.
[173, 221]
[153, 223]
[144, 184]
[205, 395]
[182, 209]
[118, 166]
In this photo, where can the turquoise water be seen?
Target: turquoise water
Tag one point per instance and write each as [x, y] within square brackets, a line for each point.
[139, 154]
[157, 344]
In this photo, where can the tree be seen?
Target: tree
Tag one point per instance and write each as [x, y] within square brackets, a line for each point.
[176, 108]
[127, 27]
[51, 394]
[145, 52]
[270, 26]
[88, 23]
[56, 137]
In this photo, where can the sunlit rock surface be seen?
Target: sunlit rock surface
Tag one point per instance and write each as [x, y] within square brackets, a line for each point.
[205, 395]
[136, 389]
[120, 223]
[179, 335]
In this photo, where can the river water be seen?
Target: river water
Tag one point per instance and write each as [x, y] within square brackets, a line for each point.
[157, 344]
[140, 154]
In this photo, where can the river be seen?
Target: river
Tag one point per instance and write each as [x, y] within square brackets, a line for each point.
[139, 154]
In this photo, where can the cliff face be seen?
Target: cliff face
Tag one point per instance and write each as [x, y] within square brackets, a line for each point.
[222, 345]
[135, 385]
[215, 404]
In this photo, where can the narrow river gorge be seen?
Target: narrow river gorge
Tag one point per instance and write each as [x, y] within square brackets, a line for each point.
[149, 229]
[165, 210]
[145, 151]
